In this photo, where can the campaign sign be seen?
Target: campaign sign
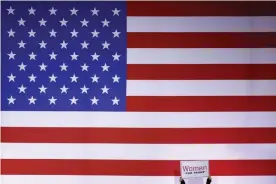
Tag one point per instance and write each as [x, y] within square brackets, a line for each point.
[194, 169]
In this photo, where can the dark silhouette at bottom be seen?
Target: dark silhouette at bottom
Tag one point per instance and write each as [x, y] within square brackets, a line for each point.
[208, 181]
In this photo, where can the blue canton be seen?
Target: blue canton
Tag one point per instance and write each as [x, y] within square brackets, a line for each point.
[63, 56]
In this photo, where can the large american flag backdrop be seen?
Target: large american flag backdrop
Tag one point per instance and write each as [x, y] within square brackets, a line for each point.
[120, 92]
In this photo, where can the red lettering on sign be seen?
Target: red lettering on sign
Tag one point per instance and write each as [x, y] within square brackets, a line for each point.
[195, 168]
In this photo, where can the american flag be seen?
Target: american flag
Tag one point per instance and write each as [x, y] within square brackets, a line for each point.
[121, 92]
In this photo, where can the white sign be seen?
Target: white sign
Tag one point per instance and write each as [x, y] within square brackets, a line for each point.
[194, 169]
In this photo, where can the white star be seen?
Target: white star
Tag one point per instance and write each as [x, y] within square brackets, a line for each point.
[94, 11]
[53, 56]
[32, 78]
[116, 79]
[105, 90]
[53, 78]
[115, 101]
[74, 11]
[11, 100]
[74, 56]
[11, 33]
[116, 12]
[74, 33]
[31, 11]
[11, 55]
[53, 33]
[84, 89]
[95, 33]
[22, 89]
[84, 23]
[22, 66]
[53, 11]
[105, 67]
[52, 100]
[11, 77]
[84, 67]
[63, 67]
[64, 89]
[42, 67]
[43, 44]
[31, 33]
[74, 78]
[42, 22]
[21, 22]
[116, 34]
[32, 100]
[64, 44]
[95, 78]
[94, 101]
[105, 45]
[21, 44]
[95, 56]
[32, 56]
[42, 89]
[105, 23]
[84, 45]
[10, 10]
[116, 56]
[73, 100]
[63, 22]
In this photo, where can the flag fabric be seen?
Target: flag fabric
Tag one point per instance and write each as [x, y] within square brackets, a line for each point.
[121, 92]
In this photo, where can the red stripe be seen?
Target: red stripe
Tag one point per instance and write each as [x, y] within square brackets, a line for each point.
[131, 167]
[138, 135]
[153, 8]
[201, 40]
[200, 103]
[200, 71]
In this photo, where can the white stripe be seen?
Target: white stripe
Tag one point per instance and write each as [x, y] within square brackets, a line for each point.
[201, 87]
[139, 119]
[202, 56]
[58, 179]
[138, 151]
[201, 24]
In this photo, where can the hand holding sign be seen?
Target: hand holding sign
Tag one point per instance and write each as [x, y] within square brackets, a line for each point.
[209, 180]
